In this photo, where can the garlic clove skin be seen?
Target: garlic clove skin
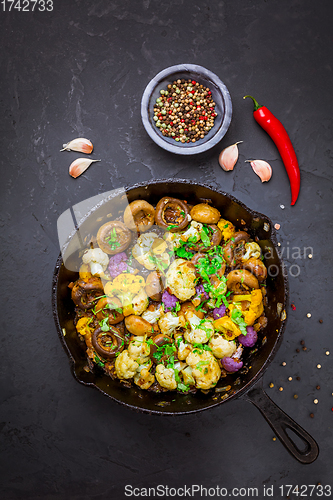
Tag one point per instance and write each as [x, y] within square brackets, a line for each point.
[79, 166]
[80, 144]
[262, 169]
[228, 157]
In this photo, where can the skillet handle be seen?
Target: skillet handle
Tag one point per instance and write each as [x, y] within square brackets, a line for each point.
[279, 422]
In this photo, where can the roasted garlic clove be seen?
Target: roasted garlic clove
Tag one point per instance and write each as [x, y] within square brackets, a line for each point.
[229, 156]
[80, 144]
[262, 169]
[79, 166]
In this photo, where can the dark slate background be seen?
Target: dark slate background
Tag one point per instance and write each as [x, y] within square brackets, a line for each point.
[80, 70]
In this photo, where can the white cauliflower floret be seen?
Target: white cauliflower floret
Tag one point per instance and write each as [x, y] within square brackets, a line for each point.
[193, 232]
[251, 250]
[125, 366]
[138, 349]
[97, 259]
[200, 330]
[168, 323]
[143, 252]
[152, 316]
[181, 279]
[143, 378]
[205, 369]
[188, 376]
[222, 348]
[173, 240]
[166, 377]
[140, 302]
[183, 350]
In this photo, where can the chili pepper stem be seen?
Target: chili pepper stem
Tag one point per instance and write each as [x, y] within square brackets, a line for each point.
[256, 105]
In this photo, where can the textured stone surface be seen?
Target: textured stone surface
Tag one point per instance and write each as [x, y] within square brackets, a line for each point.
[80, 71]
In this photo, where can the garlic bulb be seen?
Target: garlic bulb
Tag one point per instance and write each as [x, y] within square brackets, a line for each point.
[262, 169]
[228, 157]
[80, 144]
[79, 166]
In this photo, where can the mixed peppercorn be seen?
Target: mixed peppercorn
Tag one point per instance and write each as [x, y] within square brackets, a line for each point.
[185, 111]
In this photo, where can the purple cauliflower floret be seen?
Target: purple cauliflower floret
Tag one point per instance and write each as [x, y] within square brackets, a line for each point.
[169, 301]
[218, 312]
[231, 365]
[250, 338]
[201, 293]
[117, 264]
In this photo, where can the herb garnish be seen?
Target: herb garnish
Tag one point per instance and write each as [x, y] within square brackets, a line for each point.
[112, 239]
[237, 318]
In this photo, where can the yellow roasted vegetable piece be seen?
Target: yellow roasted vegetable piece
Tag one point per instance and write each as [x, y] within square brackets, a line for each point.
[227, 229]
[226, 326]
[125, 284]
[256, 306]
[84, 272]
[82, 326]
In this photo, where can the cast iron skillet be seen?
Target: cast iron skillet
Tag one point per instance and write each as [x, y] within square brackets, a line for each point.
[246, 384]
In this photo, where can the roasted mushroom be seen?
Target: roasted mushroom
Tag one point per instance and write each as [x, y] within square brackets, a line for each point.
[239, 279]
[154, 286]
[108, 344]
[111, 308]
[257, 267]
[230, 247]
[139, 216]
[171, 214]
[159, 341]
[84, 292]
[114, 237]
[205, 214]
[139, 326]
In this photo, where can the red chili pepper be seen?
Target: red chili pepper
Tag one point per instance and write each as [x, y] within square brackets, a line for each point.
[279, 135]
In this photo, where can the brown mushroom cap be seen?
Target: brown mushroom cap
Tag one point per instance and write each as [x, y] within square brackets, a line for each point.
[109, 307]
[159, 341]
[139, 215]
[122, 240]
[84, 292]
[239, 277]
[189, 306]
[257, 267]
[205, 214]
[228, 252]
[171, 214]
[139, 326]
[154, 286]
[108, 344]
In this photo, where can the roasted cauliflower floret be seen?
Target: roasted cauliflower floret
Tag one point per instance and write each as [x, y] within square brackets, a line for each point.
[205, 369]
[139, 303]
[188, 376]
[97, 260]
[251, 250]
[149, 251]
[166, 377]
[143, 378]
[138, 349]
[168, 323]
[125, 366]
[181, 279]
[200, 330]
[183, 350]
[175, 240]
[222, 348]
[227, 229]
[152, 316]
